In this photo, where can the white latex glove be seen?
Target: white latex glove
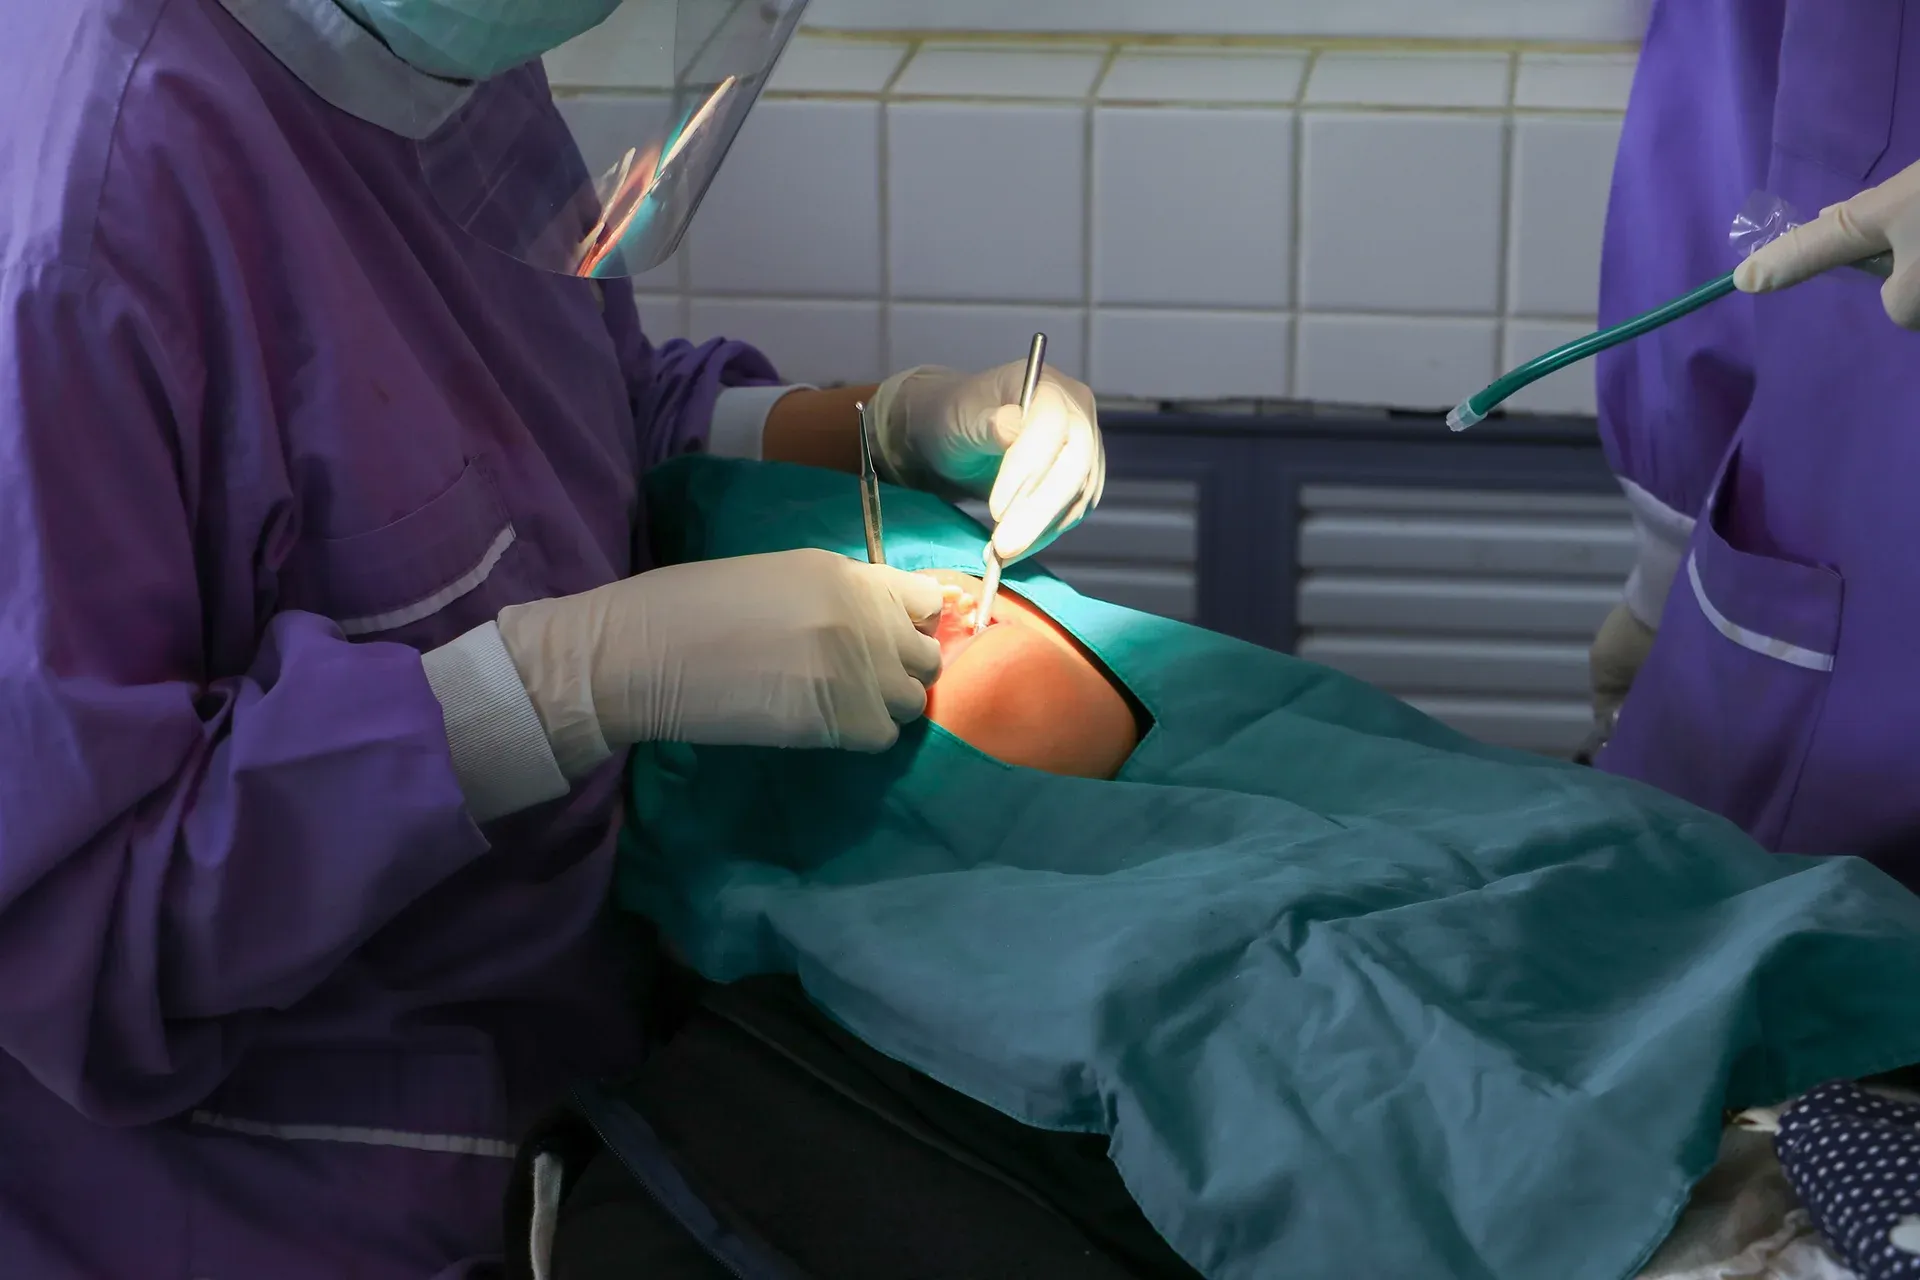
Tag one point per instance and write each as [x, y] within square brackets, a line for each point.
[1882, 218]
[793, 649]
[961, 434]
[1619, 650]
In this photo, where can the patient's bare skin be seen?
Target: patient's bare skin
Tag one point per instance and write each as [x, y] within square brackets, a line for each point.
[1024, 691]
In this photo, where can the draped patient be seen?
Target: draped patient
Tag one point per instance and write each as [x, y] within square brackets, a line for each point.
[1025, 691]
[1266, 938]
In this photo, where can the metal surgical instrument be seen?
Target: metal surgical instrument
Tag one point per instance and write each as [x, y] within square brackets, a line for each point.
[870, 493]
[990, 588]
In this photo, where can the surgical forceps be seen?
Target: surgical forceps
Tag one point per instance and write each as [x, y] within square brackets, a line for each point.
[870, 493]
[990, 587]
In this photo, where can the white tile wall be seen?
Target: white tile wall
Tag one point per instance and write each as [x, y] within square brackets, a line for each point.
[1227, 76]
[1191, 355]
[1574, 81]
[988, 72]
[838, 66]
[1544, 20]
[1401, 212]
[817, 342]
[1393, 360]
[796, 209]
[1345, 79]
[1568, 391]
[663, 316]
[987, 201]
[1361, 224]
[980, 337]
[1561, 176]
[1174, 226]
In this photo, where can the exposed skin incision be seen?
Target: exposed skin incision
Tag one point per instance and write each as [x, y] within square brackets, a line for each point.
[1024, 691]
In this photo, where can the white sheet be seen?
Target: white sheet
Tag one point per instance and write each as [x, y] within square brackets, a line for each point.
[1744, 1223]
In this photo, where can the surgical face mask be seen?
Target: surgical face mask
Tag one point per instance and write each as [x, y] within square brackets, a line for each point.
[475, 39]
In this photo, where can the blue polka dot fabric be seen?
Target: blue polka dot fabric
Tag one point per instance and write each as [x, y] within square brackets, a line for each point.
[1854, 1159]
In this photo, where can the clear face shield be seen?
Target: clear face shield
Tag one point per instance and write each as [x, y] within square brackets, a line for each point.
[686, 72]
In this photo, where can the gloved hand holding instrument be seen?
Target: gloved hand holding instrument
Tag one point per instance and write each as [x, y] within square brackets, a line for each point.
[796, 649]
[1041, 466]
[809, 649]
[1618, 651]
[1869, 232]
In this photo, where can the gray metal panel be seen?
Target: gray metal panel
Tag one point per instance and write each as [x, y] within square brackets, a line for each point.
[1409, 666]
[1476, 606]
[1552, 727]
[1171, 593]
[1455, 606]
[1149, 522]
[1140, 548]
[1177, 494]
[1546, 547]
[1315, 498]
[1172, 495]
[1131, 534]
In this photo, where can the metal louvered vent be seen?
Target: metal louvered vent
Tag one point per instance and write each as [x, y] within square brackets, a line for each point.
[1140, 548]
[1476, 607]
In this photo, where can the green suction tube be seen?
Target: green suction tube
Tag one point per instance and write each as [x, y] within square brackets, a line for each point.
[1478, 405]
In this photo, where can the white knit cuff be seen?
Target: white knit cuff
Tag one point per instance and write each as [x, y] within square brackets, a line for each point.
[1662, 535]
[500, 751]
[740, 419]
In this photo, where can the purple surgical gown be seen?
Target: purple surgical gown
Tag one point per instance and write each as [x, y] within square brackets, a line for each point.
[272, 1007]
[1784, 688]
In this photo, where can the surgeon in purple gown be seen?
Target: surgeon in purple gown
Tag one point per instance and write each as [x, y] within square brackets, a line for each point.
[323, 631]
[1768, 443]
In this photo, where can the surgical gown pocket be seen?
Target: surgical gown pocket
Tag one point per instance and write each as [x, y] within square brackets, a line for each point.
[1727, 704]
[407, 570]
[1839, 73]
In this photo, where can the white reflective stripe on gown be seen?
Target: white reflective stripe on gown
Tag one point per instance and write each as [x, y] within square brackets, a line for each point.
[548, 1179]
[1660, 537]
[453, 1144]
[1767, 646]
[406, 615]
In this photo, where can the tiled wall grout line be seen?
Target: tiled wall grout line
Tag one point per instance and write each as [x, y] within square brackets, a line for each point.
[1089, 188]
[1503, 299]
[1203, 104]
[1130, 308]
[683, 284]
[913, 51]
[1296, 266]
[884, 106]
[1210, 43]
[1159, 348]
[1106, 69]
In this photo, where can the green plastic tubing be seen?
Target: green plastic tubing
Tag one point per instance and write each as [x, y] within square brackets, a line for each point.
[1478, 405]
